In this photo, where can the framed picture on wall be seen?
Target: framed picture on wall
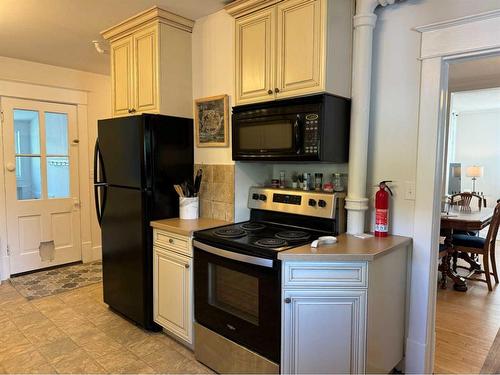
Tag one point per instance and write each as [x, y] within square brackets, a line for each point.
[211, 121]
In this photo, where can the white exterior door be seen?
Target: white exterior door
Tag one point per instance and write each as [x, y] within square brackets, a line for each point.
[41, 184]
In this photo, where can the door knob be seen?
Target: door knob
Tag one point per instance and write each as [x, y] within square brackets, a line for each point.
[11, 167]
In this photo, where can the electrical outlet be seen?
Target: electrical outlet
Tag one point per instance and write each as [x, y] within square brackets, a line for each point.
[410, 190]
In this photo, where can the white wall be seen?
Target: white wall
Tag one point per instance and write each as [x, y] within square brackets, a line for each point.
[213, 72]
[395, 95]
[98, 88]
[477, 142]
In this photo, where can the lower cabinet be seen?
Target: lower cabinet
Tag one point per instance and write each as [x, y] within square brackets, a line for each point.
[323, 331]
[173, 280]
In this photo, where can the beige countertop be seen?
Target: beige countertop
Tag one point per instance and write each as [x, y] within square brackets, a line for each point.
[347, 248]
[186, 227]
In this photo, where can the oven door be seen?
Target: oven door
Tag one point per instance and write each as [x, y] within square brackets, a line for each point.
[238, 297]
[277, 137]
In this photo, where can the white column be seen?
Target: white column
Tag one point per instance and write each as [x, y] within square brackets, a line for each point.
[356, 201]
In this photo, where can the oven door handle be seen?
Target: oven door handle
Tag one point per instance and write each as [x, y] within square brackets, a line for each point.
[234, 256]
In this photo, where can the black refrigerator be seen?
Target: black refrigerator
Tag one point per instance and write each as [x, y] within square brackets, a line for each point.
[137, 161]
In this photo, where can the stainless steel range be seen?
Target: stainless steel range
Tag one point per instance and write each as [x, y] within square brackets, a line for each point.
[237, 276]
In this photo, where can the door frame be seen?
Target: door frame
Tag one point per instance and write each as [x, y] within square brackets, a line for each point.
[21, 90]
[441, 44]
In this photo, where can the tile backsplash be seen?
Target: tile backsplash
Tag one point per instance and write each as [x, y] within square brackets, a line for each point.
[217, 191]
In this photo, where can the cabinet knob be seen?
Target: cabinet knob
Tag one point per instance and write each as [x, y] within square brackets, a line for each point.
[276, 90]
[288, 300]
[269, 91]
[170, 240]
[132, 110]
[186, 265]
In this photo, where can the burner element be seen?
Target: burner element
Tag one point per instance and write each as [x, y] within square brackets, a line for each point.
[230, 232]
[270, 242]
[252, 226]
[293, 235]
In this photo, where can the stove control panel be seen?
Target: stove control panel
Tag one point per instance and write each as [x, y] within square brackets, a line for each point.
[300, 202]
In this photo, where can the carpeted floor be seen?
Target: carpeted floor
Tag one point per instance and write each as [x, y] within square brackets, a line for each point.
[57, 280]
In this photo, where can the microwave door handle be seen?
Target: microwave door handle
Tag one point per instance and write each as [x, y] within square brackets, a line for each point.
[234, 256]
[297, 133]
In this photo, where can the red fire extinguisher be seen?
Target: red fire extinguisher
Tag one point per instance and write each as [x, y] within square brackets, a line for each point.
[382, 209]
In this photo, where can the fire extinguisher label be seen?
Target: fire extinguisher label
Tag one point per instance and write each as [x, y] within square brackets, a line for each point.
[381, 220]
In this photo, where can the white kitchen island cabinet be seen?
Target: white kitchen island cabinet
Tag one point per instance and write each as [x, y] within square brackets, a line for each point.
[344, 306]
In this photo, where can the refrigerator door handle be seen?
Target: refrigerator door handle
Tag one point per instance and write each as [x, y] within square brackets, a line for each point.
[99, 174]
[100, 201]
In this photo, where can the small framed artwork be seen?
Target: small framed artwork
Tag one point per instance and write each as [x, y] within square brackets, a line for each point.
[211, 121]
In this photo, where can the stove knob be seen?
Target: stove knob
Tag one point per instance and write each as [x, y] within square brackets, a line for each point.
[255, 196]
[312, 202]
[262, 197]
[321, 203]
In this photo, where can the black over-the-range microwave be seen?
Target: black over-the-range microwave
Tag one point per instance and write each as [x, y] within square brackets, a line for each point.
[309, 128]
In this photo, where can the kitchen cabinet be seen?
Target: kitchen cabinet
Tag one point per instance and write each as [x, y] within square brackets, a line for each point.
[344, 311]
[173, 284]
[292, 48]
[323, 331]
[151, 64]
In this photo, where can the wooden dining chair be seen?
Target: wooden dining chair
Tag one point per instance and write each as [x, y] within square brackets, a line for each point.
[482, 246]
[465, 199]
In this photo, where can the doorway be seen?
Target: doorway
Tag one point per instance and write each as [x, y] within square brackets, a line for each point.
[40, 146]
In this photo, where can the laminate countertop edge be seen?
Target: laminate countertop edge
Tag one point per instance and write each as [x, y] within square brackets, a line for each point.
[186, 227]
[347, 248]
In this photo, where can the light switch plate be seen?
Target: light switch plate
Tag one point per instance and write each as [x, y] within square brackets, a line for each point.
[410, 190]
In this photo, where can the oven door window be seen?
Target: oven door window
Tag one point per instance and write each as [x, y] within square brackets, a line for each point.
[234, 292]
[266, 135]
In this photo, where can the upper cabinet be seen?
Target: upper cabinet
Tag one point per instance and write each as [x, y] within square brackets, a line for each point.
[291, 47]
[151, 64]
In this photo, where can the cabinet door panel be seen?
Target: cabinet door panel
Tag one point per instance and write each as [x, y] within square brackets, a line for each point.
[121, 73]
[323, 331]
[255, 35]
[172, 293]
[145, 69]
[300, 47]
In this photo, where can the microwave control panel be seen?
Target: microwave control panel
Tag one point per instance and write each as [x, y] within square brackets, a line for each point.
[311, 134]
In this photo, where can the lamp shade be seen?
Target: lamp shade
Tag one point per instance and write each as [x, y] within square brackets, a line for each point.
[474, 171]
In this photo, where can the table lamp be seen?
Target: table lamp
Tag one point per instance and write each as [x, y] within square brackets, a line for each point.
[475, 171]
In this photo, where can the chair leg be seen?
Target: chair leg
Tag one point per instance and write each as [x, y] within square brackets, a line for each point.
[486, 265]
[494, 265]
[455, 261]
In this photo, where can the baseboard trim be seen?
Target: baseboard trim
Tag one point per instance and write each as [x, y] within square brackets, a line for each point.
[416, 359]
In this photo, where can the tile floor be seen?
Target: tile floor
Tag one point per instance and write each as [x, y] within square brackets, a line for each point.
[75, 332]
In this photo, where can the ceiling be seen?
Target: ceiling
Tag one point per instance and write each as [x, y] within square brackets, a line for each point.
[60, 32]
[477, 100]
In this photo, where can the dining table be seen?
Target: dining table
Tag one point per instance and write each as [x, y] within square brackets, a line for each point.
[460, 218]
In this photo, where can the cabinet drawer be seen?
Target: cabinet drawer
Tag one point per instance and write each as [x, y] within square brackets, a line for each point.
[325, 274]
[172, 241]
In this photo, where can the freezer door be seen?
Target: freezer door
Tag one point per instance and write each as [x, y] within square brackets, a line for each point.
[121, 149]
[127, 254]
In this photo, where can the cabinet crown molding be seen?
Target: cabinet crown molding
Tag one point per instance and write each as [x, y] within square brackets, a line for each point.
[152, 14]
[239, 8]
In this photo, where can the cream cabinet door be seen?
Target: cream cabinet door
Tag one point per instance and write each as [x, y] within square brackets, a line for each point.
[172, 288]
[146, 70]
[255, 57]
[323, 332]
[300, 47]
[121, 76]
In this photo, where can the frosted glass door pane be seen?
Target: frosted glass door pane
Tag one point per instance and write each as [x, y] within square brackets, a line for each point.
[57, 177]
[26, 132]
[28, 178]
[56, 131]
